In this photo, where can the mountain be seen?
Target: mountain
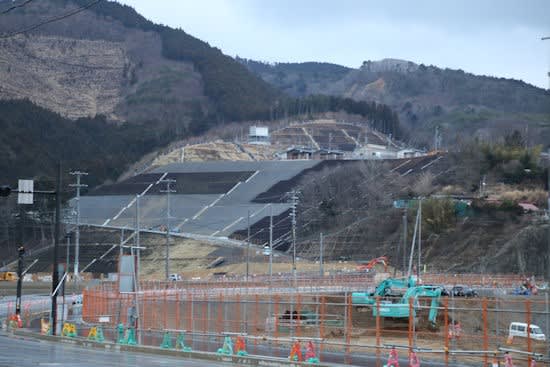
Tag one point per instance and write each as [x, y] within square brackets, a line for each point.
[99, 76]
[103, 87]
[460, 104]
[110, 60]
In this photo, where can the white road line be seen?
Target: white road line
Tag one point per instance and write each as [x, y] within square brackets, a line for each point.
[134, 199]
[178, 227]
[399, 166]
[406, 173]
[216, 201]
[232, 224]
[160, 179]
[251, 177]
[200, 212]
[432, 162]
[233, 188]
[259, 210]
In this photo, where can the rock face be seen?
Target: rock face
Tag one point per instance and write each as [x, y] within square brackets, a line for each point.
[88, 65]
[77, 78]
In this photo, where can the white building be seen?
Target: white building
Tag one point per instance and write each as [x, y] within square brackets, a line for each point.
[258, 135]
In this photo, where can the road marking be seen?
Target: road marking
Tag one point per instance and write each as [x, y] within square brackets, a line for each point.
[406, 173]
[432, 162]
[250, 178]
[216, 201]
[401, 165]
[233, 188]
[259, 210]
[200, 212]
[232, 224]
[160, 179]
[134, 200]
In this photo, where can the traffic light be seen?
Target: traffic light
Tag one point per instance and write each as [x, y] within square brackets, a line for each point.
[5, 190]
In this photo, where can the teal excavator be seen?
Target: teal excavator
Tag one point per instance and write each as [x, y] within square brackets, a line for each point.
[395, 295]
[390, 287]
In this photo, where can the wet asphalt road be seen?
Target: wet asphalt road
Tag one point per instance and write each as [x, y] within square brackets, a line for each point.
[26, 352]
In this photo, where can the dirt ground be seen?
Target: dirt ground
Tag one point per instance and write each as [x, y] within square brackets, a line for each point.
[190, 259]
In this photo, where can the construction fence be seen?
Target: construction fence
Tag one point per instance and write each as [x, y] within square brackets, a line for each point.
[466, 331]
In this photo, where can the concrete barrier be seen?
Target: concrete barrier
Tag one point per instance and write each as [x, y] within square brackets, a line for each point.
[250, 360]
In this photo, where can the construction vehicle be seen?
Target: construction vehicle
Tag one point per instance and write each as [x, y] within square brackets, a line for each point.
[391, 287]
[9, 276]
[394, 295]
[370, 265]
[404, 307]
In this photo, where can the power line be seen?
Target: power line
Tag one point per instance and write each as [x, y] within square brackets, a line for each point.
[16, 6]
[50, 20]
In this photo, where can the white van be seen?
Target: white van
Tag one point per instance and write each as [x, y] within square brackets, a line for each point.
[520, 329]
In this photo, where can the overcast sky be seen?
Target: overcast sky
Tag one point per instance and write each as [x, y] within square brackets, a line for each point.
[490, 37]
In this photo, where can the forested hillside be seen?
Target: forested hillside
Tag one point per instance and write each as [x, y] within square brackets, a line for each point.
[33, 139]
[130, 86]
[460, 104]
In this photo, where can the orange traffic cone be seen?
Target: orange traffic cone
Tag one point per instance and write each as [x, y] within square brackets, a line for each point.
[296, 352]
[240, 347]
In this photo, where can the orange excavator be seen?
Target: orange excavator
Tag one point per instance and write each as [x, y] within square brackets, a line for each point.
[370, 265]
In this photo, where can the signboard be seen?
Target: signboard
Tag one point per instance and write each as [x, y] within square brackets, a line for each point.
[400, 204]
[259, 131]
[25, 189]
[403, 204]
[127, 271]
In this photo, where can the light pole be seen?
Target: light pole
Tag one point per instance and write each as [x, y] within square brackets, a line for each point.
[247, 245]
[78, 185]
[168, 190]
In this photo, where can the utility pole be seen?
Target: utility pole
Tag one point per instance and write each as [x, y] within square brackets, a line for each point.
[270, 243]
[419, 237]
[321, 270]
[78, 185]
[247, 245]
[136, 269]
[55, 273]
[294, 199]
[411, 255]
[168, 190]
[548, 213]
[404, 241]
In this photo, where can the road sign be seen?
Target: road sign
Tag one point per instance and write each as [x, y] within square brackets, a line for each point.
[400, 204]
[25, 192]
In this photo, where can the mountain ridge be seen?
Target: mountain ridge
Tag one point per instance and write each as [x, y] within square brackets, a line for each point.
[459, 103]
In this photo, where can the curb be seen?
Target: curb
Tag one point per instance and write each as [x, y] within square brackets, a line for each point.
[250, 360]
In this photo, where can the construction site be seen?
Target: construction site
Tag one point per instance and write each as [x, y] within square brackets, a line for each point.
[210, 249]
[273, 315]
